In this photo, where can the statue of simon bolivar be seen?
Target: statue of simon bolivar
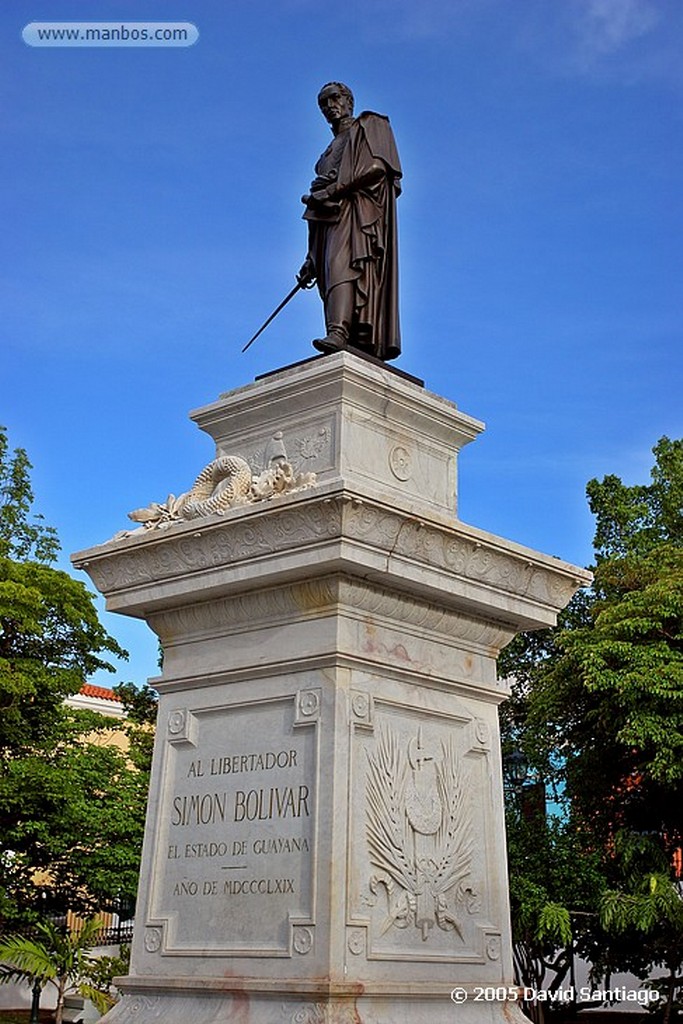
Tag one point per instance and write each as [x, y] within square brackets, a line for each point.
[351, 214]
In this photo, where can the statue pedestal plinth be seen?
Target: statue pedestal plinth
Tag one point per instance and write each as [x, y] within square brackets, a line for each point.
[325, 837]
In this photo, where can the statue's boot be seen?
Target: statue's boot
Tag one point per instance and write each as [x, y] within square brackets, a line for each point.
[334, 341]
[338, 314]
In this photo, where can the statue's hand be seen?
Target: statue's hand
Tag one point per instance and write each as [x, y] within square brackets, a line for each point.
[322, 181]
[316, 198]
[306, 275]
[332, 193]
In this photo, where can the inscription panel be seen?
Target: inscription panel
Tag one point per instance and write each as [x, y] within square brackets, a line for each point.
[234, 861]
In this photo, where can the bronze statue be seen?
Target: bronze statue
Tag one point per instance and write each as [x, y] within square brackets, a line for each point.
[351, 214]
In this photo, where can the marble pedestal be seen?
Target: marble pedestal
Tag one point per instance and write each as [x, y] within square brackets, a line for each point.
[325, 836]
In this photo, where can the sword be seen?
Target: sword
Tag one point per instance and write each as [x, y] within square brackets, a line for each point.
[297, 287]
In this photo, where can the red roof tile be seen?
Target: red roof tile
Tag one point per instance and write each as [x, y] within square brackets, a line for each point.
[101, 692]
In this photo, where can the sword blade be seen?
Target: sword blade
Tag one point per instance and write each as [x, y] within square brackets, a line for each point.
[272, 316]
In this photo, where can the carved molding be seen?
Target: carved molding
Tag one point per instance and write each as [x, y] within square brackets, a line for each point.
[362, 708]
[302, 940]
[233, 541]
[323, 596]
[255, 609]
[468, 558]
[311, 1013]
[401, 462]
[426, 616]
[356, 941]
[277, 530]
[305, 446]
[153, 938]
[139, 1008]
[424, 882]
[311, 446]
[337, 1012]
[482, 734]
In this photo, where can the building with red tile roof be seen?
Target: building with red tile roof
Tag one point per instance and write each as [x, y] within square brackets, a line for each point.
[97, 698]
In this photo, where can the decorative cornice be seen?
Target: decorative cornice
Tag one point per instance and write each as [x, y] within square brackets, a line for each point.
[189, 548]
[393, 538]
[464, 553]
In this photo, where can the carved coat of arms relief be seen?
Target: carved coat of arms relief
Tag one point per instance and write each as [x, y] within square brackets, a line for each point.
[419, 832]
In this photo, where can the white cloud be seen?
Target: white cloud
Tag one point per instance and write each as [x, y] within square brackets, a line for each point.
[605, 26]
[620, 41]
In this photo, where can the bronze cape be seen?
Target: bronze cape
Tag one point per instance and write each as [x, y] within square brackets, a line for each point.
[353, 238]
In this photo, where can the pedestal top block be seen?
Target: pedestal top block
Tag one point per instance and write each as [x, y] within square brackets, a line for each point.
[351, 421]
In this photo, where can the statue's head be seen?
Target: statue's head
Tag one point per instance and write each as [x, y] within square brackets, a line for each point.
[335, 101]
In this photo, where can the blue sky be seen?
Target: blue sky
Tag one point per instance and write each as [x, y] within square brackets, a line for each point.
[151, 220]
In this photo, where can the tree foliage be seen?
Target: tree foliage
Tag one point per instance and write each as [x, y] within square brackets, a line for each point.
[598, 709]
[610, 698]
[50, 637]
[50, 641]
[636, 519]
[23, 535]
[56, 957]
[72, 804]
[73, 820]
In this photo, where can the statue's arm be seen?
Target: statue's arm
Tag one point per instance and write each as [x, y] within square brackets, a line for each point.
[336, 190]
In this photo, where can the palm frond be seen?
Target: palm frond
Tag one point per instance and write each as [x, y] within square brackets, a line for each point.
[28, 956]
[455, 839]
[385, 819]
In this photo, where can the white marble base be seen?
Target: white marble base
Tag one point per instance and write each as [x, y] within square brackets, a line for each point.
[325, 836]
[319, 1004]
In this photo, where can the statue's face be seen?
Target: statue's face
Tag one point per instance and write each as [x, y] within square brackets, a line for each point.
[334, 104]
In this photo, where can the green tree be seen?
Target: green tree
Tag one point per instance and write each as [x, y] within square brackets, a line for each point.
[50, 637]
[58, 958]
[647, 911]
[71, 805]
[610, 696]
[555, 881]
[74, 817]
[598, 709]
[23, 534]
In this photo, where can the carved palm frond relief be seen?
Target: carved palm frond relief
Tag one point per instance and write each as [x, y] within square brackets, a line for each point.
[455, 839]
[386, 818]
